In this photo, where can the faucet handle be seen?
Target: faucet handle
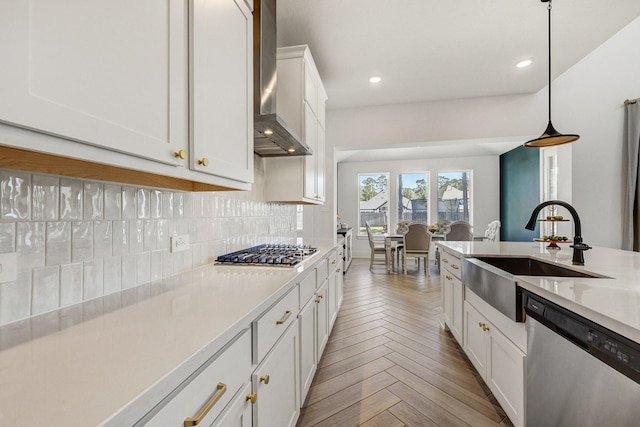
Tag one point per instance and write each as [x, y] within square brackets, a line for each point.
[581, 246]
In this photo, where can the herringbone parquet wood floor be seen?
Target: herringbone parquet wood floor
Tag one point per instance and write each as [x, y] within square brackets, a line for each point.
[388, 363]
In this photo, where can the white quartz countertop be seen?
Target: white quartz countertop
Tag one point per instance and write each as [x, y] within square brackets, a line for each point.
[81, 365]
[613, 302]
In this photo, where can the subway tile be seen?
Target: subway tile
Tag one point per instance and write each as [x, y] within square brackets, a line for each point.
[45, 290]
[188, 205]
[112, 202]
[70, 284]
[136, 236]
[70, 199]
[112, 267]
[156, 204]
[30, 243]
[162, 230]
[58, 243]
[102, 239]
[7, 237]
[45, 198]
[150, 237]
[128, 271]
[167, 204]
[178, 205]
[156, 265]
[143, 268]
[15, 298]
[92, 280]
[15, 195]
[82, 241]
[144, 203]
[129, 203]
[120, 233]
[93, 200]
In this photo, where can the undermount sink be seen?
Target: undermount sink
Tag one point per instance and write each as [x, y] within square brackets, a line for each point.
[533, 267]
[493, 279]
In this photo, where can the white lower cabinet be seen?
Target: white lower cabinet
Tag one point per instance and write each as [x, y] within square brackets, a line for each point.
[239, 413]
[308, 351]
[322, 317]
[202, 397]
[452, 298]
[500, 363]
[276, 383]
[339, 286]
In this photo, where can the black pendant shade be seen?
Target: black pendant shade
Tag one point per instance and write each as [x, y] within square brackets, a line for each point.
[550, 137]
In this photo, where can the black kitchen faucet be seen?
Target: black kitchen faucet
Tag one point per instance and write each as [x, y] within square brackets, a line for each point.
[578, 246]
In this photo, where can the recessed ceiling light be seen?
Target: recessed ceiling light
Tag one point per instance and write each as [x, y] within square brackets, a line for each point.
[291, 150]
[524, 63]
[268, 132]
[375, 79]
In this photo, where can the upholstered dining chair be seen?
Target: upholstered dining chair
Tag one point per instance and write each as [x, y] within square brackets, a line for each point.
[492, 234]
[377, 247]
[416, 244]
[460, 231]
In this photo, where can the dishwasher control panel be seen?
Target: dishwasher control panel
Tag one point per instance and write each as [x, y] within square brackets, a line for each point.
[617, 351]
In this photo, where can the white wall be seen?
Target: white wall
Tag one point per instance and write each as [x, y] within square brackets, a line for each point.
[485, 185]
[587, 99]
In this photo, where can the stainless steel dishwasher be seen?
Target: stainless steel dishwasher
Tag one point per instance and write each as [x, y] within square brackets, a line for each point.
[578, 373]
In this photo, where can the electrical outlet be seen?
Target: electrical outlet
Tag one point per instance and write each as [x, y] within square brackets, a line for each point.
[8, 267]
[179, 243]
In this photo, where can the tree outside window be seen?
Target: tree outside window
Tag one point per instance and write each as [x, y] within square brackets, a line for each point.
[454, 196]
[373, 202]
[413, 196]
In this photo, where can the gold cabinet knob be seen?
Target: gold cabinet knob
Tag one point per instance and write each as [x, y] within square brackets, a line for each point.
[203, 161]
[253, 397]
[338, 270]
[182, 154]
[264, 379]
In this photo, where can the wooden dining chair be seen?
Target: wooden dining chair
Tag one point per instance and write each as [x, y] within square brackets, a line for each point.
[377, 247]
[416, 244]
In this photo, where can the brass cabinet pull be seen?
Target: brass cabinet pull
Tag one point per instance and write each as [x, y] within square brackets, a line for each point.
[446, 261]
[455, 266]
[284, 318]
[203, 161]
[221, 388]
[338, 270]
[264, 379]
[483, 326]
[480, 324]
[333, 262]
[448, 277]
[180, 154]
[317, 300]
[252, 397]
[320, 296]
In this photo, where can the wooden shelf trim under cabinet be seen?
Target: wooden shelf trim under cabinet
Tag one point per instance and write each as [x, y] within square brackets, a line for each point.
[31, 161]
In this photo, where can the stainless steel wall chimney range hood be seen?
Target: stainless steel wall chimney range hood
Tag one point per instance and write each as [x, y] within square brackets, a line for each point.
[272, 136]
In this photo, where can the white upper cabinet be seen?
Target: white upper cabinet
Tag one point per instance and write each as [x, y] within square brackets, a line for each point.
[156, 87]
[221, 88]
[300, 99]
[107, 73]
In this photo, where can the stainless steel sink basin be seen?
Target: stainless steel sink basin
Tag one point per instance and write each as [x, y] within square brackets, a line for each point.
[493, 280]
[532, 267]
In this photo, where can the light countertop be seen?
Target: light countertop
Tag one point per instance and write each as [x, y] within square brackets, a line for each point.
[613, 302]
[81, 365]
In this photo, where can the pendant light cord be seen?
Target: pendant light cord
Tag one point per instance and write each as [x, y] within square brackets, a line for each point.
[549, 9]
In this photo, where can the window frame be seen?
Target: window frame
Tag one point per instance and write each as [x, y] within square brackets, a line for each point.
[377, 230]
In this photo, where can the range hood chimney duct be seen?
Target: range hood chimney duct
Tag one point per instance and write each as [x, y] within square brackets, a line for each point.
[272, 136]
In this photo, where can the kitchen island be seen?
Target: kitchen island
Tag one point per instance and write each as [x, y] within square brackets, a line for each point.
[612, 301]
[108, 361]
[483, 307]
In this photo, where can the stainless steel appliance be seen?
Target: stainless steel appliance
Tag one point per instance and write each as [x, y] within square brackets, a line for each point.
[272, 255]
[578, 373]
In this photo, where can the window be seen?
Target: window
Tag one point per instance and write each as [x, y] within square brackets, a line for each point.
[413, 197]
[454, 196]
[373, 205]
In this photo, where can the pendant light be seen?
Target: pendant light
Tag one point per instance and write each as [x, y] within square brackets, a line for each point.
[550, 136]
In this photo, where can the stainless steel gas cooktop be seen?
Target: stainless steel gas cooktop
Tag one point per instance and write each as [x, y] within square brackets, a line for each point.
[271, 255]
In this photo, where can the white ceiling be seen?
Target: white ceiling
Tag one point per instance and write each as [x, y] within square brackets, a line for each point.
[427, 50]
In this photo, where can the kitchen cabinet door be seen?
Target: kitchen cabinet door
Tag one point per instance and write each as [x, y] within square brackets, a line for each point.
[111, 74]
[476, 342]
[446, 285]
[332, 305]
[221, 92]
[339, 285]
[457, 309]
[308, 350]
[238, 413]
[322, 318]
[310, 162]
[276, 384]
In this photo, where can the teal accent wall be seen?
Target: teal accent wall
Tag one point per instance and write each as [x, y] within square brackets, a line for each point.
[519, 192]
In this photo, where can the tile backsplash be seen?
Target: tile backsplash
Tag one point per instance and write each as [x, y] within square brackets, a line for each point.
[77, 240]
